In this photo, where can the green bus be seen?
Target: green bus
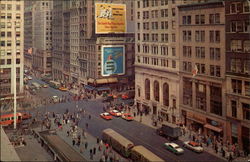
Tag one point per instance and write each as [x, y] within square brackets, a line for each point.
[117, 141]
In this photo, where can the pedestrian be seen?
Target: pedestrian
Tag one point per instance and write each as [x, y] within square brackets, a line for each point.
[73, 142]
[216, 148]
[87, 125]
[68, 133]
[230, 157]
[89, 116]
[94, 150]
[91, 154]
[223, 152]
[97, 140]
[86, 145]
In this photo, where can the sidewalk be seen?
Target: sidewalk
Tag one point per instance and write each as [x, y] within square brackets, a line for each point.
[146, 120]
[91, 143]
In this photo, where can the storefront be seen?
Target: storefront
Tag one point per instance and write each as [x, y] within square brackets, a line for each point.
[195, 122]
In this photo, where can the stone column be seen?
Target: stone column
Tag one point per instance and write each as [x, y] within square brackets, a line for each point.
[193, 94]
[208, 98]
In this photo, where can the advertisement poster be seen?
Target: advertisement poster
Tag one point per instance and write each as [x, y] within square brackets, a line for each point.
[113, 60]
[110, 18]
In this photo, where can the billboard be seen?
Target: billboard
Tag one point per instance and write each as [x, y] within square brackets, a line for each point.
[113, 60]
[110, 18]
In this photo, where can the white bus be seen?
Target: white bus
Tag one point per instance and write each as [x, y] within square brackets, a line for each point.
[117, 141]
[140, 153]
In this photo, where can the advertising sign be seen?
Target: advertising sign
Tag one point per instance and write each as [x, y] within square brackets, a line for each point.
[110, 18]
[113, 60]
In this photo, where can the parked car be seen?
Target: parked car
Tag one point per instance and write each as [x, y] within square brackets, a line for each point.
[194, 146]
[106, 116]
[115, 113]
[63, 89]
[173, 147]
[55, 99]
[45, 86]
[127, 116]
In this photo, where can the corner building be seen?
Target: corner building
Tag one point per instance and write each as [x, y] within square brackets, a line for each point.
[202, 49]
[238, 72]
[11, 43]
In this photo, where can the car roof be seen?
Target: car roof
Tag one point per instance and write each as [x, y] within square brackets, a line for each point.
[174, 144]
[193, 143]
[115, 110]
[105, 113]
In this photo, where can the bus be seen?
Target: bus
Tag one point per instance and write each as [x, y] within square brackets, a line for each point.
[36, 85]
[117, 141]
[140, 153]
[54, 84]
[8, 119]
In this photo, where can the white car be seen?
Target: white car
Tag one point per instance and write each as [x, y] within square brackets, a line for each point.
[173, 147]
[194, 146]
[115, 113]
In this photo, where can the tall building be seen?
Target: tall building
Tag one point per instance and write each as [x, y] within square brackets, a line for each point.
[11, 48]
[28, 34]
[86, 46]
[202, 67]
[42, 37]
[61, 41]
[238, 72]
[157, 58]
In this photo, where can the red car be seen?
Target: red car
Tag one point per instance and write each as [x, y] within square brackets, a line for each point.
[124, 96]
[106, 116]
[127, 116]
[115, 113]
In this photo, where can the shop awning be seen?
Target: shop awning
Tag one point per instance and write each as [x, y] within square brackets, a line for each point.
[193, 119]
[88, 87]
[106, 80]
[216, 129]
[103, 89]
[90, 80]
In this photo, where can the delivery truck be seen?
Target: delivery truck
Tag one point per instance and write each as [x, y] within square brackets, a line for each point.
[170, 131]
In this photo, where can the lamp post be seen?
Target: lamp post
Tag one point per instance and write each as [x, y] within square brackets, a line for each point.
[13, 25]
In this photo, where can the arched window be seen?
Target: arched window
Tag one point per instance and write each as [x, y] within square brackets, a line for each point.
[147, 89]
[156, 90]
[166, 94]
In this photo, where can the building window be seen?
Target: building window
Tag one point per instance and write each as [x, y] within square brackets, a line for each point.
[187, 36]
[9, 7]
[236, 45]
[173, 24]
[165, 94]
[247, 88]
[246, 6]
[17, 61]
[214, 36]
[147, 89]
[246, 46]
[8, 61]
[246, 111]
[9, 16]
[201, 68]
[2, 34]
[247, 66]
[2, 7]
[200, 52]
[138, 15]
[173, 38]
[156, 90]
[187, 51]
[235, 7]
[236, 65]
[200, 36]
[215, 53]
[173, 64]
[2, 43]
[2, 62]
[18, 16]
[236, 26]
[173, 12]
[186, 20]
[139, 92]
[201, 96]
[18, 7]
[234, 108]
[247, 26]
[216, 100]
[164, 25]
[236, 86]
[187, 91]
[214, 18]
[199, 19]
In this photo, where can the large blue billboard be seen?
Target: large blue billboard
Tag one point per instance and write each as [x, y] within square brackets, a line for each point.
[113, 60]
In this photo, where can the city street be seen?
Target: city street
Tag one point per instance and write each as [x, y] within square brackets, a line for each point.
[134, 131]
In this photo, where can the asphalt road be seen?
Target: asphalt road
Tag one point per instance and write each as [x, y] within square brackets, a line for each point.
[133, 130]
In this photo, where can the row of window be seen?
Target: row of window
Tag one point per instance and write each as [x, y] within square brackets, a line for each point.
[8, 52]
[8, 61]
[10, 7]
[163, 50]
[240, 46]
[145, 3]
[9, 34]
[240, 26]
[156, 61]
[237, 87]
[240, 66]
[8, 43]
[155, 14]
[215, 53]
[214, 70]
[214, 36]
[245, 108]
[201, 19]
[238, 7]
[155, 37]
[9, 15]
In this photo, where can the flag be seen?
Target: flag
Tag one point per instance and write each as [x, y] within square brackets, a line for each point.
[30, 51]
[195, 71]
